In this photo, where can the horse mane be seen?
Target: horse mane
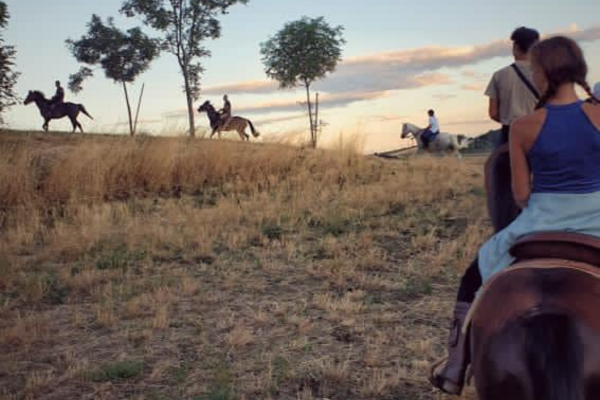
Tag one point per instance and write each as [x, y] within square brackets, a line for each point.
[39, 93]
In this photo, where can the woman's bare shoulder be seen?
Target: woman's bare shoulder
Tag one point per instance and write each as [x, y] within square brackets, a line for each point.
[527, 127]
[593, 113]
[536, 117]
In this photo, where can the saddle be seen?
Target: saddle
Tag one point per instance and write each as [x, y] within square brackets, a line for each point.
[550, 251]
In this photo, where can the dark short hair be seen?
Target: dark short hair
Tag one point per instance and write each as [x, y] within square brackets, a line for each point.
[431, 112]
[524, 38]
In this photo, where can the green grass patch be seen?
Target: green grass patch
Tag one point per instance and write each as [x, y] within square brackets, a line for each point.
[116, 372]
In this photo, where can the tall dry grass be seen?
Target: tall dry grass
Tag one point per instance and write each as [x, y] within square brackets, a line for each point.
[209, 269]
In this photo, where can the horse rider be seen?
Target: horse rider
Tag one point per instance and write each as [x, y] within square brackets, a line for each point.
[59, 96]
[432, 130]
[511, 95]
[225, 112]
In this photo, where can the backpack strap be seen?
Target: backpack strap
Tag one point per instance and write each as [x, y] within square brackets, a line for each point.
[526, 81]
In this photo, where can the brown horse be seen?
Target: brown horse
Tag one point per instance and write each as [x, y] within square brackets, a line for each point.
[56, 111]
[238, 124]
[535, 333]
[535, 328]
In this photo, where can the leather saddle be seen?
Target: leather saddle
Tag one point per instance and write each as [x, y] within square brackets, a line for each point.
[558, 245]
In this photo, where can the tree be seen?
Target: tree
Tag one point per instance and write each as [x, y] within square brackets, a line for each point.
[300, 53]
[8, 77]
[122, 56]
[186, 25]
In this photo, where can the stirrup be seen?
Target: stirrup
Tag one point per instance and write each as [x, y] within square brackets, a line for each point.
[437, 381]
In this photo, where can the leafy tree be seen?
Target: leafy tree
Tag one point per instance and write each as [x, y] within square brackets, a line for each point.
[8, 77]
[122, 55]
[300, 53]
[186, 25]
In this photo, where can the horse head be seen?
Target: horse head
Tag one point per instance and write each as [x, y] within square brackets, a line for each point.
[409, 129]
[29, 98]
[206, 107]
[34, 95]
[404, 131]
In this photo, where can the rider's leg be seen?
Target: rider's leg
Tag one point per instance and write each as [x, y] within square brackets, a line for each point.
[450, 376]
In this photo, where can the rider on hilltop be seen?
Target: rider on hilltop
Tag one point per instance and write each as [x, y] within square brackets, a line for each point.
[225, 112]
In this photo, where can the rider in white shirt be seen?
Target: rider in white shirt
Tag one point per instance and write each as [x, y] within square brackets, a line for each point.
[432, 129]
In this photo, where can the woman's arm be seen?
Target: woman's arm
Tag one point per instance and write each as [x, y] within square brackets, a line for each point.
[521, 174]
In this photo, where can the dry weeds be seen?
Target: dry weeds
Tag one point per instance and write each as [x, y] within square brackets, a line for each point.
[179, 269]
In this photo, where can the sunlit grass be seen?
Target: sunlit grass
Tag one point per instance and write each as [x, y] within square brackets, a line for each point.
[178, 268]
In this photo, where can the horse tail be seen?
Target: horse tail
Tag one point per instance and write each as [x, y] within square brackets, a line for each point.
[554, 356]
[255, 133]
[83, 110]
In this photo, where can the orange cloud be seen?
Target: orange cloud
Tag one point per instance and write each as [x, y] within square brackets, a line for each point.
[401, 69]
[476, 87]
[431, 79]
[372, 76]
[444, 96]
[254, 87]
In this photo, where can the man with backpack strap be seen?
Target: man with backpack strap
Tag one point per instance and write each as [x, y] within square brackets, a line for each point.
[511, 95]
[511, 92]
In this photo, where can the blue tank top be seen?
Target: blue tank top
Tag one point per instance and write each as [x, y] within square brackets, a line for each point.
[565, 157]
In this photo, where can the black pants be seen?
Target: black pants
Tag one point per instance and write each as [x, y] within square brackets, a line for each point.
[470, 283]
[503, 135]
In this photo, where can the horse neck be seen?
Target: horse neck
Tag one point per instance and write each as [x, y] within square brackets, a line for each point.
[213, 115]
[41, 102]
[416, 131]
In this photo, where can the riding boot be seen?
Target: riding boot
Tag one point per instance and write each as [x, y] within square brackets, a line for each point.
[449, 375]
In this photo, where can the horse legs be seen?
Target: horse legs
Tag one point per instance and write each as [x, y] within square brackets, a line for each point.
[45, 126]
[243, 135]
[75, 124]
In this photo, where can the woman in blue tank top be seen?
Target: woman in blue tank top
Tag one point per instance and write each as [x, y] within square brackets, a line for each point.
[555, 164]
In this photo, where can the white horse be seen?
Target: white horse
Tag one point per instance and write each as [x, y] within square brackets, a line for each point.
[442, 144]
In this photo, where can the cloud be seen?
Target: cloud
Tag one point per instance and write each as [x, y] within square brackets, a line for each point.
[395, 70]
[250, 87]
[468, 122]
[469, 73]
[444, 96]
[372, 76]
[325, 100]
[385, 118]
[475, 87]
[284, 118]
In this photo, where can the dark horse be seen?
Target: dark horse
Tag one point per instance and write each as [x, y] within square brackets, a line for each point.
[238, 124]
[56, 111]
[535, 328]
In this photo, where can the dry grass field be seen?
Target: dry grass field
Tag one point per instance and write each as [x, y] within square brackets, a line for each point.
[180, 269]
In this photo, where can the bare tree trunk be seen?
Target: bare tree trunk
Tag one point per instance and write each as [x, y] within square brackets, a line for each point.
[137, 113]
[190, 105]
[317, 119]
[313, 141]
[131, 131]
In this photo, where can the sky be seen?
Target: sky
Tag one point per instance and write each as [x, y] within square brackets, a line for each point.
[401, 59]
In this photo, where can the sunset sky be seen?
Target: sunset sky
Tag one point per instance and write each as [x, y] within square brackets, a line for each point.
[401, 58]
